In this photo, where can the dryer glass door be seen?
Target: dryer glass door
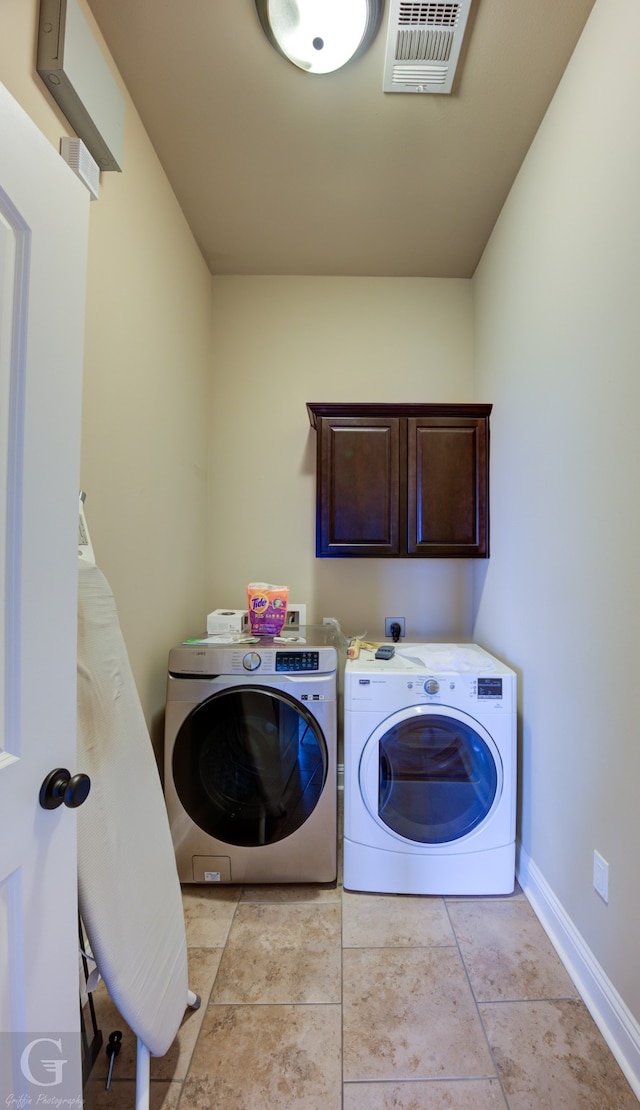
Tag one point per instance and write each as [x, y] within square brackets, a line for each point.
[249, 765]
[430, 777]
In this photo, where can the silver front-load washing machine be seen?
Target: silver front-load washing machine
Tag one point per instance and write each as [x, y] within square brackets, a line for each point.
[250, 760]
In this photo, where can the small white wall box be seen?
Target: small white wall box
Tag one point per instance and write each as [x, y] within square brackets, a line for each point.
[296, 615]
[76, 74]
[227, 620]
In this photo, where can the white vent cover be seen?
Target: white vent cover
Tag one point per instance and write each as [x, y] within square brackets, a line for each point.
[83, 165]
[423, 45]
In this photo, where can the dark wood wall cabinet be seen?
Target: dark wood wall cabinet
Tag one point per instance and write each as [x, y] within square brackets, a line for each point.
[402, 480]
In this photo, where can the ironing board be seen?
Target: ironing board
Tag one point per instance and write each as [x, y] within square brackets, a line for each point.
[129, 893]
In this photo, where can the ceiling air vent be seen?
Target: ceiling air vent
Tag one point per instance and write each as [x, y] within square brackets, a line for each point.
[423, 45]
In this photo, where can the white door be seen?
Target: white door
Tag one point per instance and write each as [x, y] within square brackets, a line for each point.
[43, 244]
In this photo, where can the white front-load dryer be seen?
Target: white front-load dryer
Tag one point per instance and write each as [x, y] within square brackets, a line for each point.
[430, 772]
[250, 760]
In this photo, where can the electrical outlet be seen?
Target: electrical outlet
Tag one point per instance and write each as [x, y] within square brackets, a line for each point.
[601, 876]
[296, 615]
[388, 621]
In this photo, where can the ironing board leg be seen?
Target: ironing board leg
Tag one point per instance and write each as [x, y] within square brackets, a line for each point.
[143, 1065]
[193, 1000]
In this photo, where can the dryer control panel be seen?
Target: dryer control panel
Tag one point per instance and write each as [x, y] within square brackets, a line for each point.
[489, 687]
[430, 674]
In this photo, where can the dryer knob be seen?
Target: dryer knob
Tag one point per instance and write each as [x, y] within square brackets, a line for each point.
[251, 661]
[432, 686]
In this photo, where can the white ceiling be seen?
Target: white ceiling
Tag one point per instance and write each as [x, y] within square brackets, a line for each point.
[283, 172]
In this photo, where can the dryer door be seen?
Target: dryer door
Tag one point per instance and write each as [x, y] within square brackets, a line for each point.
[432, 775]
[249, 765]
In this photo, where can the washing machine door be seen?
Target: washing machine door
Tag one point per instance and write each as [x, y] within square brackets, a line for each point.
[249, 765]
[431, 775]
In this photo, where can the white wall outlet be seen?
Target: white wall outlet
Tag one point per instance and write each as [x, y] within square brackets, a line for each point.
[601, 876]
[389, 621]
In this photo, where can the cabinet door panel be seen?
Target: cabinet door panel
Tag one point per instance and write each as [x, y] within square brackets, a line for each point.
[447, 477]
[359, 488]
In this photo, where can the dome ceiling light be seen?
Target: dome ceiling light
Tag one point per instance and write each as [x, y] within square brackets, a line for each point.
[320, 36]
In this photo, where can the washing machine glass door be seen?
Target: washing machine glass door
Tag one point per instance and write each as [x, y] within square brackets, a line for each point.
[431, 776]
[249, 765]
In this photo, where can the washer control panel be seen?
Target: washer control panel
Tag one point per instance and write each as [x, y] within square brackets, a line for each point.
[297, 661]
[285, 661]
[196, 660]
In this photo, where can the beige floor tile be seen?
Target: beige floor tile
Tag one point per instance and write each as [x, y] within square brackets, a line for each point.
[208, 913]
[551, 1055]
[281, 953]
[122, 1096]
[291, 892]
[507, 953]
[409, 1027]
[392, 921]
[203, 965]
[409, 1014]
[266, 1058]
[461, 1094]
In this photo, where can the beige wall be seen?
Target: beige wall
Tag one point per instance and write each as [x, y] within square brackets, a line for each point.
[279, 342]
[146, 382]
[151, 437]
[17, 68]
[558, 350]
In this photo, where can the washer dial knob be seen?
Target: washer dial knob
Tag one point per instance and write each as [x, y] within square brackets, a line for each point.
[432, 686]
[251, 661]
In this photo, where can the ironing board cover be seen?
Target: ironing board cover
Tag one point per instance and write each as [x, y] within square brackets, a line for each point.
[129, 892]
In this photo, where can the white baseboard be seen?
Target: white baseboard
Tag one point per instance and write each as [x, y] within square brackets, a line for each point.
[615, 1021]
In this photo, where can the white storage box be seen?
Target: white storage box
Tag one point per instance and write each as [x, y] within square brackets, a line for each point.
[227, 620]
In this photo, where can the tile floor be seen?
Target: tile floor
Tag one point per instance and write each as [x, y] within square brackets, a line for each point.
[317, 998]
